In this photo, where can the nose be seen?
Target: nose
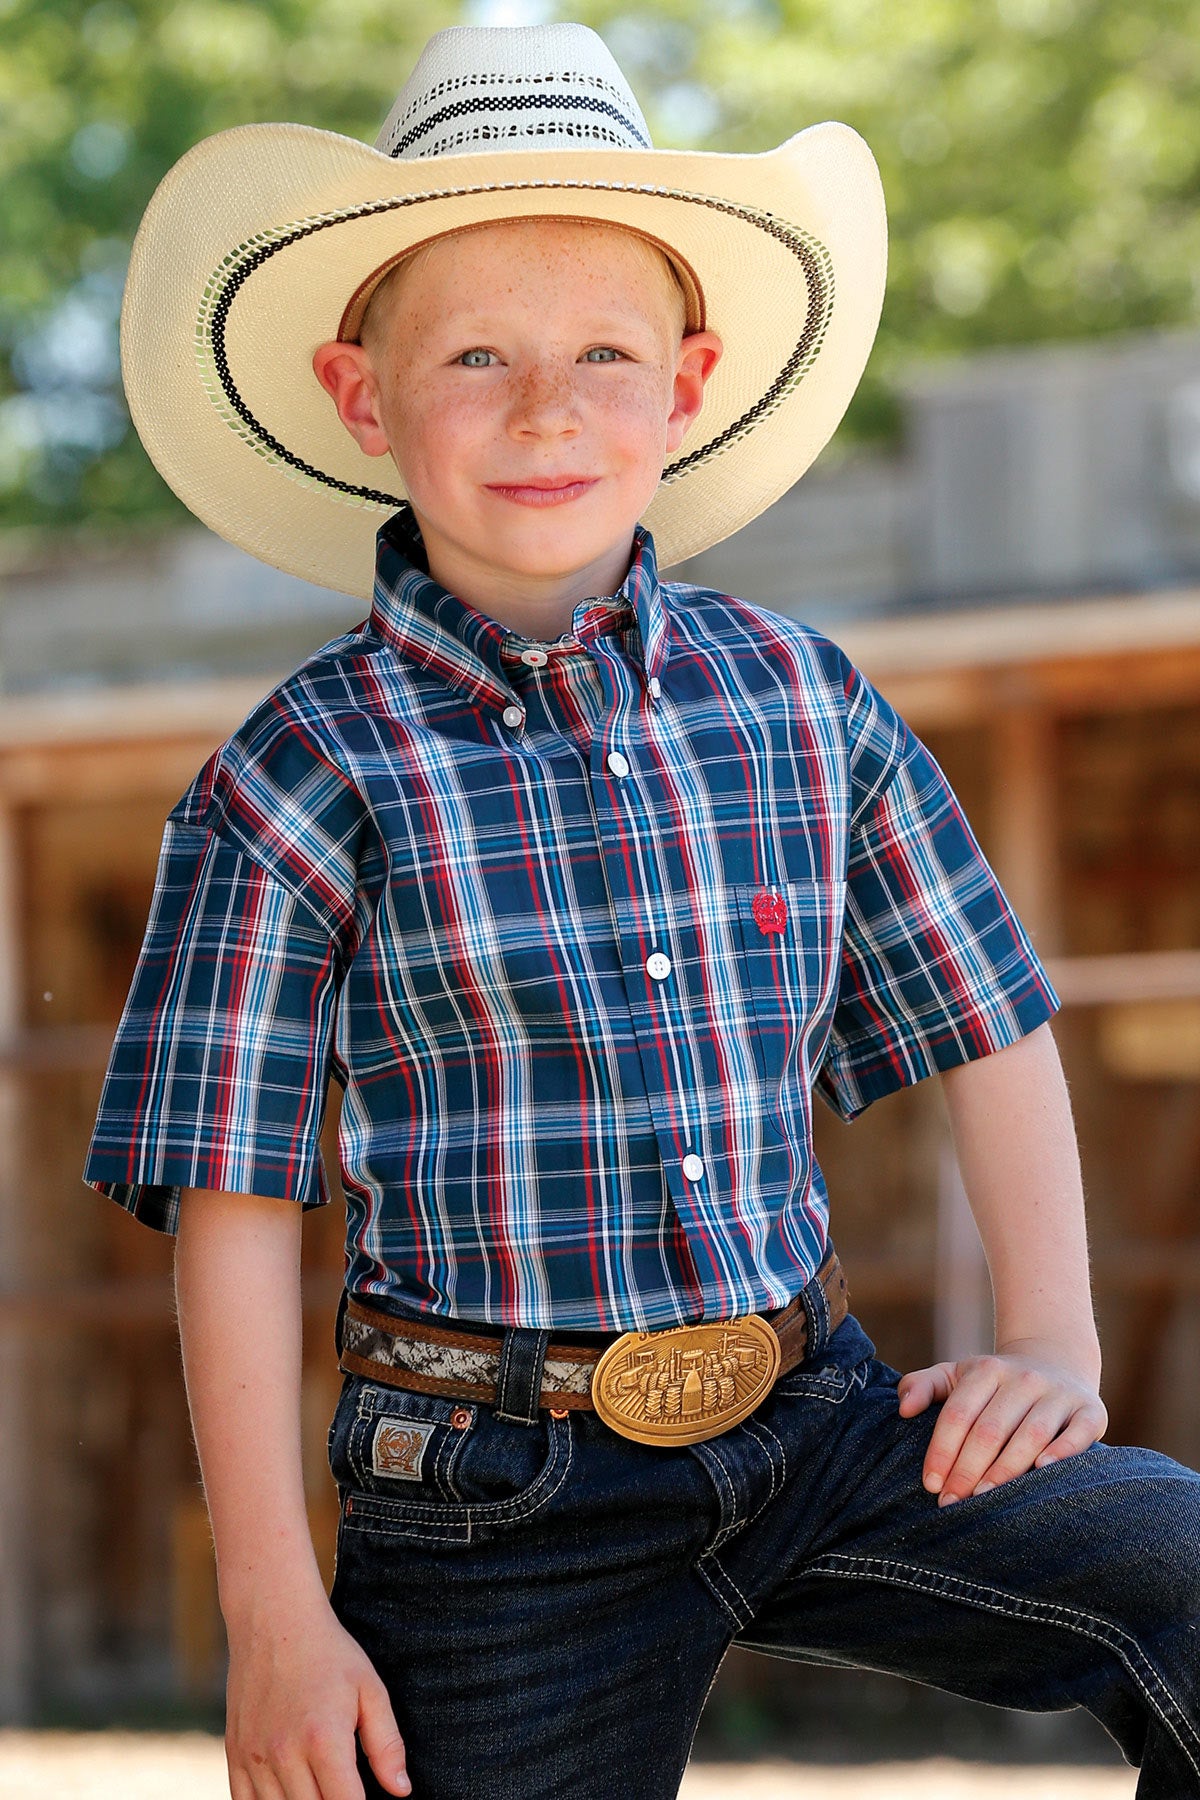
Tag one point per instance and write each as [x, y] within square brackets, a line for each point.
[545, 403]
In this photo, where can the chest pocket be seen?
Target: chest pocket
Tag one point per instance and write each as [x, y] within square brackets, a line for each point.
[790, 934]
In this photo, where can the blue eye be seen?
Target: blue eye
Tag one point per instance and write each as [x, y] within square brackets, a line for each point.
[475, 359]
[602, 353]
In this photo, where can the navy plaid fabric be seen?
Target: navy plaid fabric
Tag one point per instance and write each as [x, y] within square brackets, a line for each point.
[578, 927]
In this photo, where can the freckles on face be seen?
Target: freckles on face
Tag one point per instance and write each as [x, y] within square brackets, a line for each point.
[525, 377]
[539, 301]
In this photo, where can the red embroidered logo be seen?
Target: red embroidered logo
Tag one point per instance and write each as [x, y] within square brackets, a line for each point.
[770, 911]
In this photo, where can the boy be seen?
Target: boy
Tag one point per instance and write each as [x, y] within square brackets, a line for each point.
[579, 882]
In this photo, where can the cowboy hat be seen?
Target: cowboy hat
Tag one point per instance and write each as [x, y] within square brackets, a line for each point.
[266, 241]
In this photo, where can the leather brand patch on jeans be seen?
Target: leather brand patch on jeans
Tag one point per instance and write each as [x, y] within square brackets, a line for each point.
[397, 1448]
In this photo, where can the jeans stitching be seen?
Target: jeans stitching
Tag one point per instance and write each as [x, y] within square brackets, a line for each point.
[446, 1460]
[535, 1365]
[833, 1386]
[954, 1587]
[708, 1568]
[752, 1427]
[730, 1511]
[778, 1477]
[428, 1519]
[726, 1576]
[506, 1356]
[527, 1412]
[823, 1303]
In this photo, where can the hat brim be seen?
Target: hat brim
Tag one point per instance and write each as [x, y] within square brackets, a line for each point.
[253, 243]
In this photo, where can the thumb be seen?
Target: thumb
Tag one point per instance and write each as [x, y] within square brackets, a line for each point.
[921, 1387]
[380, 1737]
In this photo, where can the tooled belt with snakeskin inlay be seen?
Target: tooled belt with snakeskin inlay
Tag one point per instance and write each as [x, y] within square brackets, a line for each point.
[677, 1385]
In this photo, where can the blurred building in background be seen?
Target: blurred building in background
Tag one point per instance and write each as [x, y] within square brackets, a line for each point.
[1023, 583]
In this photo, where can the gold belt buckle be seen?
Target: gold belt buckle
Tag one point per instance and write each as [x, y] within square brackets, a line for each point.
[687, 1383]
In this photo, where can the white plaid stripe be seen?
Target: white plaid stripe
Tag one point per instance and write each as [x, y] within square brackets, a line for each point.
[470, 909]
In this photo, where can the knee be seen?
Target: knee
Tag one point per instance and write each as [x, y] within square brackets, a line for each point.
[1145, 1508]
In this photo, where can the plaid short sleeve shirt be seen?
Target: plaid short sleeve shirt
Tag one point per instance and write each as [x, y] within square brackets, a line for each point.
[579, 927]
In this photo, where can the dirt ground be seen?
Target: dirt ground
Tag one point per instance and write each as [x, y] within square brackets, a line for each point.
[190, 1766]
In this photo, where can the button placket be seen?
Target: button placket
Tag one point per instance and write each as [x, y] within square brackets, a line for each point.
[640, 866]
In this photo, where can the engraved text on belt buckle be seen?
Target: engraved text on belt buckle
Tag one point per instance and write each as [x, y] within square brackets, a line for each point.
[687, 1383]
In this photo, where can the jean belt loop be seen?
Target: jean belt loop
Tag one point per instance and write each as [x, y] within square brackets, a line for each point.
[816, 1307]
[519, 1386]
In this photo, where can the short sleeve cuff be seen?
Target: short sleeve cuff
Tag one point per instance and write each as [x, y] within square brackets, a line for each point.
[220, 1064]
[858, 1071]
[156, 1203]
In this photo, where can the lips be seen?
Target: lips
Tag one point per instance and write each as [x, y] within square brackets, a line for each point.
[546, 491]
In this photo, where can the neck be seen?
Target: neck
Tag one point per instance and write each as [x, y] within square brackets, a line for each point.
[536, 606]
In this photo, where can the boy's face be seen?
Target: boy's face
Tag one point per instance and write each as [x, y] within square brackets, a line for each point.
[530, 379]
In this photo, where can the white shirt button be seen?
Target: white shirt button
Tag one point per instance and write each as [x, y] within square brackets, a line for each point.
[617, 763]
[693, 1167]
[513, 715]
[535, 658]
[658, 965]
[655, 687]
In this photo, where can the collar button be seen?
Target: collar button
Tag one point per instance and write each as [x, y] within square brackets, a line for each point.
[513, 715]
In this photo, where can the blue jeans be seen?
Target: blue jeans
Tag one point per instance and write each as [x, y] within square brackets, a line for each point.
[548, 1603]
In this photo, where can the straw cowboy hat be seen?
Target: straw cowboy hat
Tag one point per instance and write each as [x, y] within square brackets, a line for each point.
[266, 240]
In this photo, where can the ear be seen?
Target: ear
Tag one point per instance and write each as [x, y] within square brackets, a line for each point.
[699, 355]
[345, 372]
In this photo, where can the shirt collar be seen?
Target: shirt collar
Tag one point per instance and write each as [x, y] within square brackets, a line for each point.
[471, 650]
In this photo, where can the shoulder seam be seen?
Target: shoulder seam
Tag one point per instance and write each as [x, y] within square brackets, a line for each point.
[233, 842]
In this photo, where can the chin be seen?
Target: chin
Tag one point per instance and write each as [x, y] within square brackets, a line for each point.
[554, 551]
[555, 545]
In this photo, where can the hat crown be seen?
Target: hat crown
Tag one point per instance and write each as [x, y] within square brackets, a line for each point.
[514, 87]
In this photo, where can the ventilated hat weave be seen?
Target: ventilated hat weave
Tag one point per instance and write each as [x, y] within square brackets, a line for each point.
[265, 241]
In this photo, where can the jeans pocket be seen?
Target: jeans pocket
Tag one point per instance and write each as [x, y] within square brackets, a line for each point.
[827, 1382]
[422, 1465]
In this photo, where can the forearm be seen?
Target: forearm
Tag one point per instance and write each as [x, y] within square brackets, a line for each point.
[1010, 1115]
[237, 1284]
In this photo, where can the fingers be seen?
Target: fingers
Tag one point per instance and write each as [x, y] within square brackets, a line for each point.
[1000, 1421]
[988, 1458]
[254, 1781]
[960, 1416]
[922, 1387]
[1088, 1425]
[294, 1703]
[381, 1738]
[315, 1766]
[240, 1785]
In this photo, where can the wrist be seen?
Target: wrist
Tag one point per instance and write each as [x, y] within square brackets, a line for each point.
[1079, 1352]
[276, 1587]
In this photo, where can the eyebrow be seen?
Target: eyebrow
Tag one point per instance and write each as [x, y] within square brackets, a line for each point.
[603, 319]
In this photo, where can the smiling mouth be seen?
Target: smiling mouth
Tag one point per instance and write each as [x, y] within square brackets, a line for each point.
[542, 493]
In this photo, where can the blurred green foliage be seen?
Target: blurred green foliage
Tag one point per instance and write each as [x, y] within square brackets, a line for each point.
[96, 103]
[1041, 160]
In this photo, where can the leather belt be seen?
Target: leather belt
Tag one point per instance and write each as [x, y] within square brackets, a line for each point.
[674, 1386]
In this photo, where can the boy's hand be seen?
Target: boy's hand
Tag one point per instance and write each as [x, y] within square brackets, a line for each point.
[1018, 1409]
[296, 1694]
